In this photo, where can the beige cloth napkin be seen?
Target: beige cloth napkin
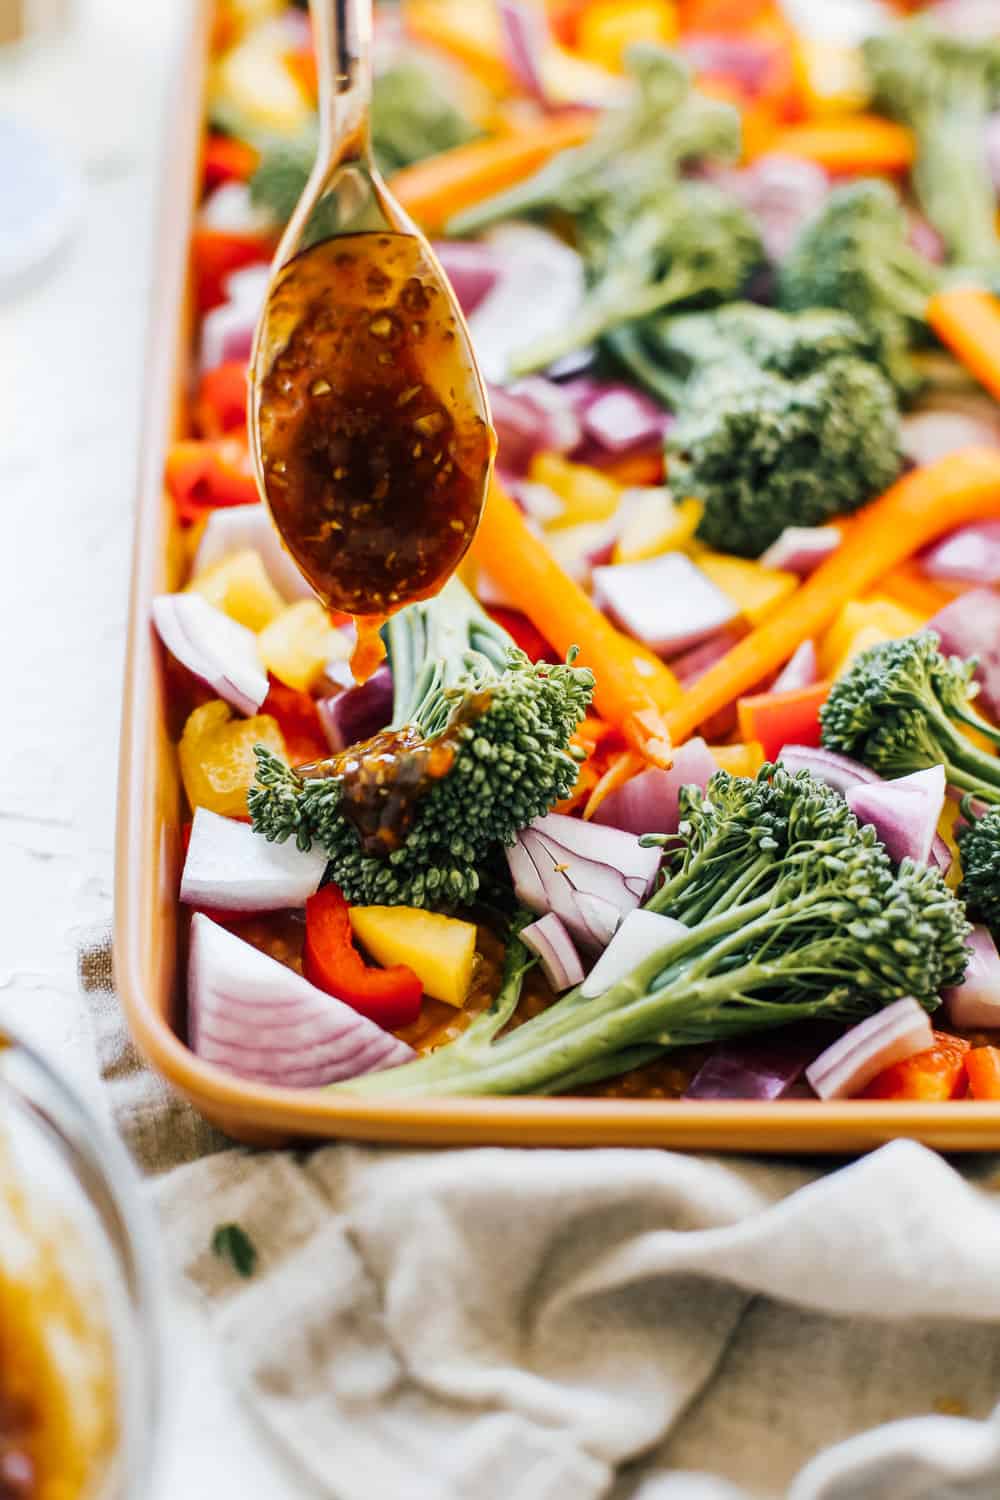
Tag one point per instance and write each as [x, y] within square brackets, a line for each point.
[569, 1325]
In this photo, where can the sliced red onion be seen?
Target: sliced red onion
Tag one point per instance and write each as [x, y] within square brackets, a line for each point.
[904, 812]
[235, 527]
[926, 436]
[231, 868]
[358, 713]
[666, 602]
[891, 1035]
[513, 315]
[472, 267]
[695, 662]
[782, 193]
[941, 856]
[617, 417]
[217, 650]
[589, 875]
[752, 1070]
[970, 626]
[800, 671]
[254, 1017]
[976, 1001]
[924, 238]
[523, 36]
[537, 501]
[801, 549]
[648, 802]
[969, 555]
[549, 939]
[838, 771]
[229, 210]
[641, 935]
[532, 416]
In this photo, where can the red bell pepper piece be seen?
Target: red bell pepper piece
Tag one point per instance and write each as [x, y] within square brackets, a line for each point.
[216, 253]
[938, 1073]
[221, 402]
[390, 997]
[225, 159]
[204, 474]
[530, 640]
[299, 722]
[982, 1065]
[777, 719]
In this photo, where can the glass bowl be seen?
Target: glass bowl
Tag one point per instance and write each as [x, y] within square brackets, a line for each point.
[80, 1326]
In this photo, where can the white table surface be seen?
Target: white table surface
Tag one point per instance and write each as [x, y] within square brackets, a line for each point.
[71, 374]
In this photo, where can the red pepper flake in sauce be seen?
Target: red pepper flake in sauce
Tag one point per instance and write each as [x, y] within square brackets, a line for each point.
[373, 431]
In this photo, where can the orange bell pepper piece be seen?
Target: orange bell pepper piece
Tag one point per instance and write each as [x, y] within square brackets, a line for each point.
[982, 1066]
[938, 1073]
[299, 722]
[204, 474]
[221, 403]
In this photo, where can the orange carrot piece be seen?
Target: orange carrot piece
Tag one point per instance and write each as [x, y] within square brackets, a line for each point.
[908, 585]
[622, 768]
[848, 143]
[633, 686]
[965, 486]
[435, 189]
[967, 319]
[982, 1066]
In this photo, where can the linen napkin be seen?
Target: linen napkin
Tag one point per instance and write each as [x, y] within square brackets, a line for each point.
[568, 1325]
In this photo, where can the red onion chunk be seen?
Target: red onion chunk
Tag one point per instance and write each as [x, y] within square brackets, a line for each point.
[695, 662]
[232, 529]
[619, 418]
[926, 436]
[800, 671]
[838, 771]
[217, 650]
[641, 935]
[666, 602]
[513, 315]
[752, 1070]
[231, 868]
[549, 940]
[904, 812]
[356, 715]
[969, 555]
[254, 1017]
[226, 333]
[532, 416]
[976, 1001]
[924, 238]
[648, 802]
[891, 1035]
[782, 193]
[747, 60]
[970, 626]
[941, 856]
[472, 267]
[523, 35]
[801, 549]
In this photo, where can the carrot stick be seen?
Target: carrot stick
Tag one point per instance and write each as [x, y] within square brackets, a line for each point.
[435, 189]
[967, 319]
[907, 585]
[965, 486]
[848, 143]
[622, 768]
[633, 686]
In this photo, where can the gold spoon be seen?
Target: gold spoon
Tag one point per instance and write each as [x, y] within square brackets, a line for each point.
[369, 420]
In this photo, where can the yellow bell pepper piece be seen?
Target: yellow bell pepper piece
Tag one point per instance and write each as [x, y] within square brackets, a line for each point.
[832, 77]
[608, 28]
[881, 619]
[950, 814]
[756, 589]
[441, 951]
[241, 588]
[863, 638]
[218, 765]
[252, 79]
[586, 493]
[657, 524]
[298, 644]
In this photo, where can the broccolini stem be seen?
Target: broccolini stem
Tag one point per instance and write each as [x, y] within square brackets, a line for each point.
[626, 345]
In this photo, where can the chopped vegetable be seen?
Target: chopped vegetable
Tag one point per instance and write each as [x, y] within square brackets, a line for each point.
[820, 882]
[390, 996]
[978, 839]
[800, 671]
[549, 940]
[221, 403]
[969, 555]
[252, 1016]
[982, 1067]
[903, 812]
[298, 717]
[860, 624]
[967, 320]
[970, 627]
[888, 1037]
[976, 1001]
[666, 602]
[440, 951]
[232, 530]
[837, 771]
[755, 588]
[298, 643]
[656, 524]
[936, 1074]
[512, 313]
[228, 868]
[760, 1070]
[848, 143]
[240, 587]
[648, 802]
[217, 650]
[217, 760]
[641, 935]
[776, 719]
[203, 474]
[358, 713]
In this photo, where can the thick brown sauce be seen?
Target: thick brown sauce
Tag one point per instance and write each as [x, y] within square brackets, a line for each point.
[373, 431]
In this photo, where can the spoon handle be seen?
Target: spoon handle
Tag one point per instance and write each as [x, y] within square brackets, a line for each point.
[343, 31]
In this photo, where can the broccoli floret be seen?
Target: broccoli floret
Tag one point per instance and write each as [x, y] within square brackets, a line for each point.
[507, 723]
[692, 244]
[854, 255]
[897, 710]
[639, 145]
[944, 88]
[793, 912]
[979, 847]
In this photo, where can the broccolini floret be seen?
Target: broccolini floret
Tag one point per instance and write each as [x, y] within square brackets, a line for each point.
[944, 88]
[691, 243]
[978, 841]
[900, 708]
[508, 723]
[794, 912]
[854, 256]
[640, 144]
